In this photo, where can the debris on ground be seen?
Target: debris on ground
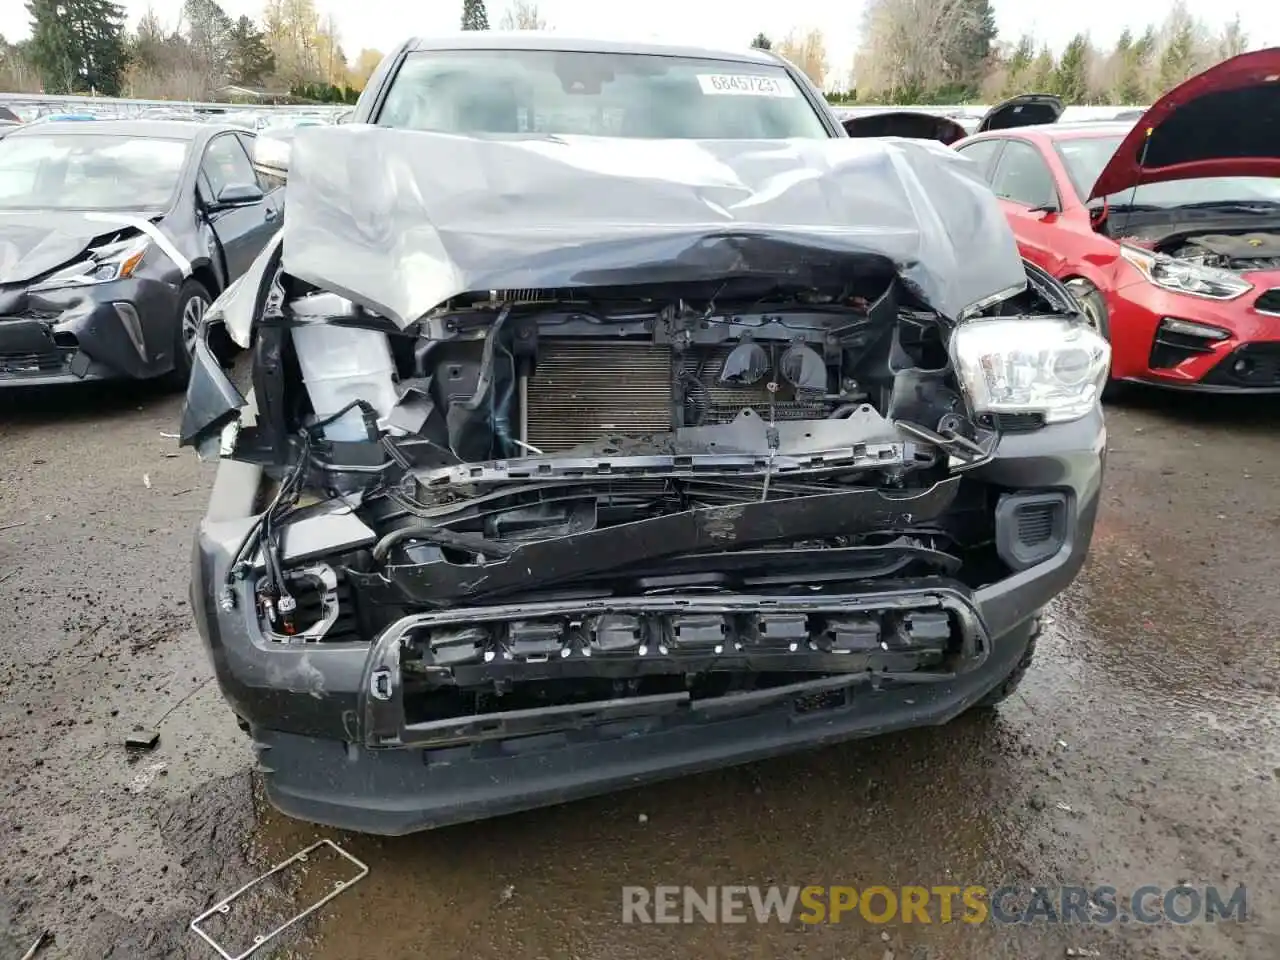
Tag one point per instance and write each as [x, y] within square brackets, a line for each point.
[35, 947]
[142, 739]
[144, 779]
[223, 906]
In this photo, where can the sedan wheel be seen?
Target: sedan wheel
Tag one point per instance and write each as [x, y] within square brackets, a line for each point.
[192, 316]
[1094, 307]
[193, 301]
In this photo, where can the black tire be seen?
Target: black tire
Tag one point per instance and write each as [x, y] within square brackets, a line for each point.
[193, 301]
[1099, 317]
[1009, 685]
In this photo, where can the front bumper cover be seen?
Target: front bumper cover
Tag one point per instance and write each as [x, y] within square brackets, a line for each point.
[308, 707]
[395, 792]
[125, 329]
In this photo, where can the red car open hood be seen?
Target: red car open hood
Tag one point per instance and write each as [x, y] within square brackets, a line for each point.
[1220, 123]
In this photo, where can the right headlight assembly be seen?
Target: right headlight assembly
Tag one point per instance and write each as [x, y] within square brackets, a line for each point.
[1046, 365]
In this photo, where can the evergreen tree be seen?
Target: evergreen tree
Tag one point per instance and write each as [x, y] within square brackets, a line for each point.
[251, 59]
[474, 16]
[1071, 79]
[761, 42]
[1128, 87]
[1042, 72]
[1234, 41]
[968, 53]
[209, 32]
[1018, 69]
[1178, 61]
[78, 45]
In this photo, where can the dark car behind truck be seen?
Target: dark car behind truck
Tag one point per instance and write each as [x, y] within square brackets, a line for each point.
[683, 436]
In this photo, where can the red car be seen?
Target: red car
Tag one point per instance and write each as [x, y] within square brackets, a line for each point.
[1167, 230]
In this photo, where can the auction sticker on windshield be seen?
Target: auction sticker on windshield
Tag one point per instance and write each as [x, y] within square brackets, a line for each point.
[744, 85]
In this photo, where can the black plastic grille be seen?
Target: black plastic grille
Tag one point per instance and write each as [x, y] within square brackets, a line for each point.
[44, 361]
[1031, 527]
[1250, 365]
[1269, 302]
[1012, 422]
[1035, 523]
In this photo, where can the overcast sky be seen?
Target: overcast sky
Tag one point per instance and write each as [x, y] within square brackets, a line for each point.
[732, 23]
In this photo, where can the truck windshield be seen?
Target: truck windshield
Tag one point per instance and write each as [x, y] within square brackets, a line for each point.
[597, 94]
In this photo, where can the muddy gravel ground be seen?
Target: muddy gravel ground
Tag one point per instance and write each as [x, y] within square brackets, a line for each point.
[1142, 749]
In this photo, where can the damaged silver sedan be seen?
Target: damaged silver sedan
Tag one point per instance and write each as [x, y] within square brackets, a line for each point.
[572, 462]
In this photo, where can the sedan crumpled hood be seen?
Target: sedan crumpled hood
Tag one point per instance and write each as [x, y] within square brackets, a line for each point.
[405, 220]
[33, 242]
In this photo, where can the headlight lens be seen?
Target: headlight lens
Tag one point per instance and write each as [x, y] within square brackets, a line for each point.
[111, 261]
[1182, 277]
[1046, 365]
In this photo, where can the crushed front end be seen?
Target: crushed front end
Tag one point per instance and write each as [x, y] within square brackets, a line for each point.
[563, 540]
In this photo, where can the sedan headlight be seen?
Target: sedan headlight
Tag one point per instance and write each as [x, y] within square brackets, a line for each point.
[1045, 365]
[111, 261]
[1182, 277]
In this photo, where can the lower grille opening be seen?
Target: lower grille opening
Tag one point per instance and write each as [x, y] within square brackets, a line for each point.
[1250, 365]
[1269, 302]
[1012, 422]
[1030, 528]
[45, 361]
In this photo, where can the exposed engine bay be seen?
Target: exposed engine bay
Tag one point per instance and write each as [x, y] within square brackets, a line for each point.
[1240, 252]
[702, 436]
[628, 477]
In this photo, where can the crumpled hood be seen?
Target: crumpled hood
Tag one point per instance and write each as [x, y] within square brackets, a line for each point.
[404, 220]
[33, 242]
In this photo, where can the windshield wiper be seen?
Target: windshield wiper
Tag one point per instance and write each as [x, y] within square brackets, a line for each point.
[1128, 207]
[1233, 206]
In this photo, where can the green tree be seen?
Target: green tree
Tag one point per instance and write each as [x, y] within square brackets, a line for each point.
[1178, 61]
[474, 16]
[78, 45]
[762, 42]
[1233, 41]
[968, 51]
[1071, 78]
[1128, 87]
[1145, 45]
[251, 60]
[1018, 67]
[209, 31]
[1042, 72]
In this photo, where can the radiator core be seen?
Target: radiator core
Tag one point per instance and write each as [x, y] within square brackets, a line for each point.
[587, 389]
[584, 390]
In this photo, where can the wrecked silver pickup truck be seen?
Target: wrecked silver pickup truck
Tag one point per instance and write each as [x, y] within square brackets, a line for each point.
[571, 463]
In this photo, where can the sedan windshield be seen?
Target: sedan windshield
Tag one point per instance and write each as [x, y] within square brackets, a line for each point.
[597, 94]
[89, 172]
[1084, 159]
